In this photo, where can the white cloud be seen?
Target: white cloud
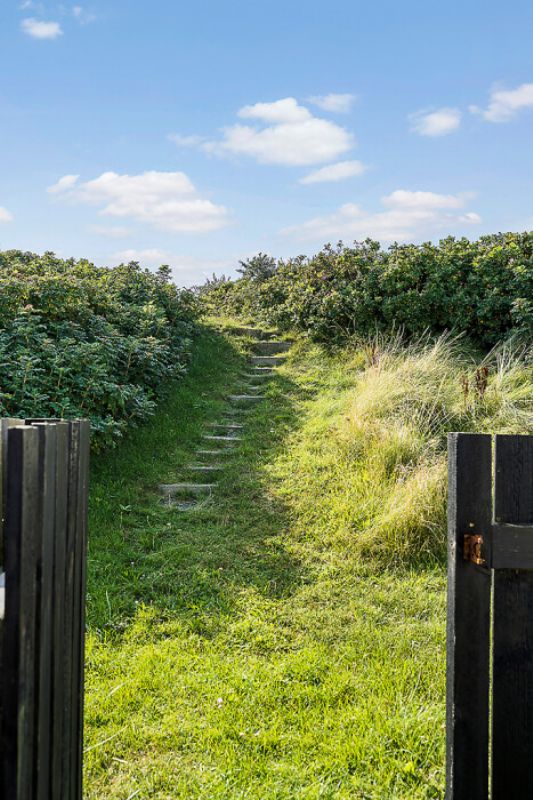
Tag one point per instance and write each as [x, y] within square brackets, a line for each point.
[64, 183]
[404, 199]
[505, 104]
[287, 110]
[39, 29]
[34, 6]
[167, 201]
[338, 103]
[5, 215]
[435, 123]
[186, 270]
[83, 16]
[335, 172]
[292, 137]
[185, 141]
[407, 216]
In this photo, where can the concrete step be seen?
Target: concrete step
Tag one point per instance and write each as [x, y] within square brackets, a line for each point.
[246, 386]
[204, 467]
[215, 438]
[266, 361]
[254, 333]
[271, 348]
[170, 489]
[224, 451]
[234, 426]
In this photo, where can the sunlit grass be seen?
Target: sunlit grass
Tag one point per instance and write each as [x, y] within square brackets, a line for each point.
[286, 640]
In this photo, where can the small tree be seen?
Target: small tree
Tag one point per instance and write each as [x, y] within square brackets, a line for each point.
[259, 268]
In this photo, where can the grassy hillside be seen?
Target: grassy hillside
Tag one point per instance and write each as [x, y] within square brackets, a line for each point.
[286, 639]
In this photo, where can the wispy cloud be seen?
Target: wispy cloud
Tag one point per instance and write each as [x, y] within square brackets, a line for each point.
[505, 104]
[290, 136]
[337, 103]
[167, 201]
[185, 141]
[407, 215]
[83, 16]
[64, 183]
[5, 215]
[335, 172]
[40, 29]
[439, 122]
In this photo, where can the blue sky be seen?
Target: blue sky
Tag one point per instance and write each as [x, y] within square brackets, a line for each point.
[197, 134]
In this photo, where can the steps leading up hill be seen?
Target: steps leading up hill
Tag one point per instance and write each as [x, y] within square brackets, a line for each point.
[223, 438]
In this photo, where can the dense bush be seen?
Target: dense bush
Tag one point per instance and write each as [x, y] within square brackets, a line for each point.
[483, 288]
[83, 341]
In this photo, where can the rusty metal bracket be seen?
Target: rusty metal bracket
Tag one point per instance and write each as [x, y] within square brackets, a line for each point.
[472, 548]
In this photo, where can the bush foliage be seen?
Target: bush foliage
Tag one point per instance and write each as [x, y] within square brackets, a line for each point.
[78, 340]
[482, 288]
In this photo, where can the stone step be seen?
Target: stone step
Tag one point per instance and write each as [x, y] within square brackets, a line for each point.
[271, 348]
[254, 333]
[215, 438]
[266, 361]
[258, 375]
[204, 467]
[234, 426]
[224, 451]
[246, 386]
[258, 370]
[170, 489]
[245, 398]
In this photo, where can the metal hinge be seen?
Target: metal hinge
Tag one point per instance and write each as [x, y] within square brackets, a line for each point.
[472, 544]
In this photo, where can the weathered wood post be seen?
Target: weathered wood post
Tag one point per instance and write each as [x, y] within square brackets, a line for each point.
[490, 618]
[43, 552]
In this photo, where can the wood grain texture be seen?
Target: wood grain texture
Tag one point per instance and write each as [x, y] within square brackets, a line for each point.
[44, 488]
[512, 727]
[468, 624]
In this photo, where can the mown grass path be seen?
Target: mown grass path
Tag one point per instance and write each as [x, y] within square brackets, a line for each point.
[233, 655]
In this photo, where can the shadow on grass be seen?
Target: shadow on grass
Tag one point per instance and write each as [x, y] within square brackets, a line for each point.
[193, 566]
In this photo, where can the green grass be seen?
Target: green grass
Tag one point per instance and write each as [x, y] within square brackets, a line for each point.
[233, 654]
[286, 640]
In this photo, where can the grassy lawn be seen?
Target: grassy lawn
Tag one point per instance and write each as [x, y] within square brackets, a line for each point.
[249, 648]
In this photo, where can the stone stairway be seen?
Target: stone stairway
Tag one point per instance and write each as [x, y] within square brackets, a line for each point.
[222, 439]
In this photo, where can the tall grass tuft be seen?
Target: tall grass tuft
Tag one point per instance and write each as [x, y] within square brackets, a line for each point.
[378, 474]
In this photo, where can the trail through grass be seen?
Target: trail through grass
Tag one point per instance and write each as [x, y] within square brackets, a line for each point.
[246, 649]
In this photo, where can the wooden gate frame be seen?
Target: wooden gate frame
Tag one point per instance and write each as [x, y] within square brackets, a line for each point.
[490, 618]
[43, 539]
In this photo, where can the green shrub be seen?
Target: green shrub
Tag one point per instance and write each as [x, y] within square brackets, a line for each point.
[482, 288]
[83, 341]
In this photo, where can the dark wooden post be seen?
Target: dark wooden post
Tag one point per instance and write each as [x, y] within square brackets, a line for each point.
[43, 541]
[468, 632]
[512, 718]
[21, 533]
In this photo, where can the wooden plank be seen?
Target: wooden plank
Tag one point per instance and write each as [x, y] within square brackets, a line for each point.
[79, 608]
[21, 535]
[512, 546]
[512, 719]
[45, 589]
[5, 425]
[59, 600]
[68, 644]
[468, 625]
